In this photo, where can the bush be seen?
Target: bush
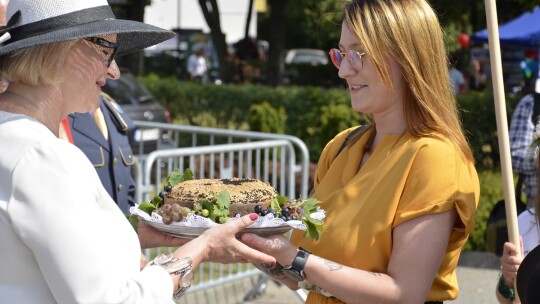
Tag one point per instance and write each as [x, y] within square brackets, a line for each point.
[491, 191]
[313, 114]
[264, 118]
[479, 122]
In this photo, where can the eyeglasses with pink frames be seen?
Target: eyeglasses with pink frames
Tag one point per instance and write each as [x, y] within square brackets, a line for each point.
[354, 57]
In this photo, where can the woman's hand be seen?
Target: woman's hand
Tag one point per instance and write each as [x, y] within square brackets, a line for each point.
[510, 262]
[277, 246]
[149, 237]
[219, 244]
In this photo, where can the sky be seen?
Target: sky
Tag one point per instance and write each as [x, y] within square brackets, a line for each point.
[187, 14]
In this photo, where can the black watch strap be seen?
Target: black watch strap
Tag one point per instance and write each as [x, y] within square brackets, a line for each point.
[300, 260]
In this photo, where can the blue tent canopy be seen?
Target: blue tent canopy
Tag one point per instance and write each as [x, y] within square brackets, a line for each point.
[522, 31]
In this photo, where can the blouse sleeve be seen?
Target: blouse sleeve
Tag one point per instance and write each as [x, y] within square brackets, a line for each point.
[85, 249]
[439, 180]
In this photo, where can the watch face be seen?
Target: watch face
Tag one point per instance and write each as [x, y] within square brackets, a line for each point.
[163, 258]
[178, 264]
[293, 274]
[186, 279]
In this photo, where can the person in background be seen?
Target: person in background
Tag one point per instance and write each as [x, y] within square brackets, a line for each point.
[521, 137]
[63, 238]
[401, 197]
[197, 66]
[529, 230]
[103, 138]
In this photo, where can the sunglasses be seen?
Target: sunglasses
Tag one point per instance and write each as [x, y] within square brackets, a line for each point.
[355, 58]
[109, 54]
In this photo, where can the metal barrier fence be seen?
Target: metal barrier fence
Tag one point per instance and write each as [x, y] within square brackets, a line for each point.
[162, 136]
[225, 153]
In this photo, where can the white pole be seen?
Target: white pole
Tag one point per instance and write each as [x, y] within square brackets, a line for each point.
[502, 124]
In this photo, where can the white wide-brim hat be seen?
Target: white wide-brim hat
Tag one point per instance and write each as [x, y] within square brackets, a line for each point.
[38, 22]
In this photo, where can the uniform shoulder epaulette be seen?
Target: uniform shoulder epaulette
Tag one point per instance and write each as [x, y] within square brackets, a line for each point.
[111, 104]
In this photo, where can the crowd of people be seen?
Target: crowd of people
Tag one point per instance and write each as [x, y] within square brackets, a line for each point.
[400, 193]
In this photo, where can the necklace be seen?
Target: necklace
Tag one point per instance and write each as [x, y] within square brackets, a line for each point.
[19, 95]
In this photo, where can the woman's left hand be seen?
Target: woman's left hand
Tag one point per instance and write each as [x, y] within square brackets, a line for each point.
[277, 246]
[149, 237]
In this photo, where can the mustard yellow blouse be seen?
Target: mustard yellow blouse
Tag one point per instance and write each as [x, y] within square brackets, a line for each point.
[404, 178]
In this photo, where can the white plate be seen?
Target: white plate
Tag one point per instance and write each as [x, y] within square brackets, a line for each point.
[193, 232]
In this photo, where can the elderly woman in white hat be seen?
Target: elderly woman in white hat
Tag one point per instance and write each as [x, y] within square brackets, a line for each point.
[63, 239]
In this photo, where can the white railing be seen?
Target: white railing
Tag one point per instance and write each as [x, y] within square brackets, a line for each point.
[181, 136]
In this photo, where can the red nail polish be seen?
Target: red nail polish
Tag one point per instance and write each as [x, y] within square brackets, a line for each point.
[253, 216]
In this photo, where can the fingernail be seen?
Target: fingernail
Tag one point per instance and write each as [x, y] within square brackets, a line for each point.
[253, 216]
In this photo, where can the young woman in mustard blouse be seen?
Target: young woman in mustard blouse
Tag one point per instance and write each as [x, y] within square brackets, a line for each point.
[400, 199]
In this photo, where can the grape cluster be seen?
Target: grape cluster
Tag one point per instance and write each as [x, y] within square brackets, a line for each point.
[287, 212]
[171, 212]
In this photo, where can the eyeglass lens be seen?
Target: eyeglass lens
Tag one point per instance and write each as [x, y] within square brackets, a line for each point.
[105, 44]
[354, 57]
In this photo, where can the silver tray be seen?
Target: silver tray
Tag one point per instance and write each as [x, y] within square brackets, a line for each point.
[193, 232]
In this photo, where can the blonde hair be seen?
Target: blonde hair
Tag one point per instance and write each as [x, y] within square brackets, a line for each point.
[38, 65]
[410, 33]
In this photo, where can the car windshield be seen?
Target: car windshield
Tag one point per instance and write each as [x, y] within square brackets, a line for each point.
[127, 90]
[309, 58]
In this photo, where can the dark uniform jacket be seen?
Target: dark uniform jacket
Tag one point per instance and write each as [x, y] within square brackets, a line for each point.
[112, 158]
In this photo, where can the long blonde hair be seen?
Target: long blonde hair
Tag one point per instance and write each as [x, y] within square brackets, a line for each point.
[410, 33]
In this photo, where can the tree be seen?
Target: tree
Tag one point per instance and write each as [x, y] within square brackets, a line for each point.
[276, 39]
[210, 12]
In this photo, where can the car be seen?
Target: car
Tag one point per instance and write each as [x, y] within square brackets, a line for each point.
[306, 56]
[139, 104]
[305, 67]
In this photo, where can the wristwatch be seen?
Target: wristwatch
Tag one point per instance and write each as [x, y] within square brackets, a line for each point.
[176, 266]
[296, 270]
[505, 291]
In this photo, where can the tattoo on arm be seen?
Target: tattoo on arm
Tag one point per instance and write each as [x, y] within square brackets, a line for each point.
[332, 266]
[375, 274]
[274, 271]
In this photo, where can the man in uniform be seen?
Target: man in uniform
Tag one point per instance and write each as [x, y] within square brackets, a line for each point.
[103, 138]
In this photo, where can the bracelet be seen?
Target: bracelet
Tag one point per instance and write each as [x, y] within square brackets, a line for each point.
[176, 266]
[504, 290]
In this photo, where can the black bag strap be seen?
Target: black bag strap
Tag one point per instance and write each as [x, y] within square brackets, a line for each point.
[349, 137]
[346, 142]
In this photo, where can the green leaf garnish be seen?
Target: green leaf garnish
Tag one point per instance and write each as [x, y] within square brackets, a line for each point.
[275, 204]
[221, 207]
[147, 207]
[314, 226]
[172, 180]
[177, 177]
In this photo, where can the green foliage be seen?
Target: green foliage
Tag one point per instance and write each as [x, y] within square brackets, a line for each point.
[313, 114]
[265, 118]
[491, 191]
[478, 118]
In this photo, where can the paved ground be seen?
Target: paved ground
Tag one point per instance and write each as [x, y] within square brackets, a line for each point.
[477, 286]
